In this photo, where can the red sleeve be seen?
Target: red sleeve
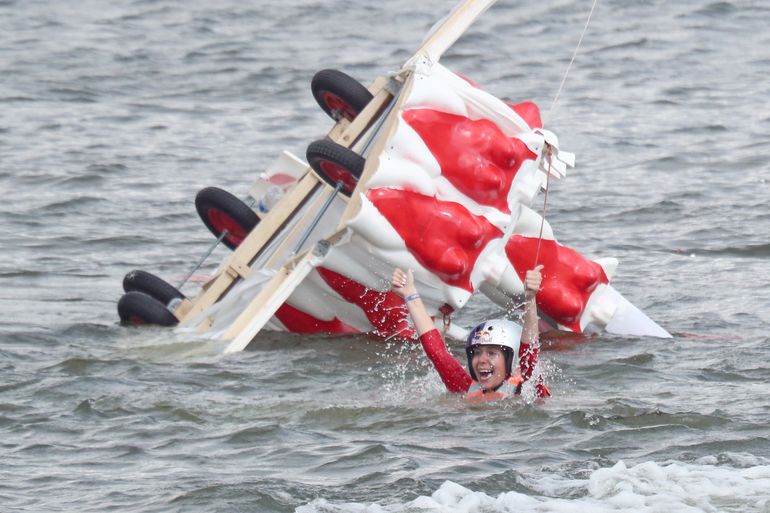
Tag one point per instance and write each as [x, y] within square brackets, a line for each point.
[527, 362]
[527, 359]
[454, 375]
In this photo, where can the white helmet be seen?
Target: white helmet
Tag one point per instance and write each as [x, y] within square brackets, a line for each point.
[496, 332]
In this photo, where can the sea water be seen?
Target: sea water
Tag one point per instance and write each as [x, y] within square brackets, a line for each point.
[114, 115]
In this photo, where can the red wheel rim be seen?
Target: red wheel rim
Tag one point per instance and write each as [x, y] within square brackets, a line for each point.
[337, 173]
[136, 320]
[336, 104]
[221, 222]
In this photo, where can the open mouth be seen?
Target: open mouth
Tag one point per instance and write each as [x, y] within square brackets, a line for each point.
[485, 373]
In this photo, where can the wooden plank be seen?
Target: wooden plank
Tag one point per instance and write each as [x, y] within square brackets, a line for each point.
[263, 307]
[292, 237]
[182, 308]
[254, 317]
[449, 29]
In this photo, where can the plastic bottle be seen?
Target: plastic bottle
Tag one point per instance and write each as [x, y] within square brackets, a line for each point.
[272, 196]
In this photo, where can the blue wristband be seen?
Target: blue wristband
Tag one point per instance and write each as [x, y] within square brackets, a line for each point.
[412, 297]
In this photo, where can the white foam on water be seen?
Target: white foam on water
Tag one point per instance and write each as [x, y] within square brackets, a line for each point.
[648, 487]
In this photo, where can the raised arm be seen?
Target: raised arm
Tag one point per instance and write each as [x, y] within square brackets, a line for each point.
[403, 285]
[454, 375]
[531, 332]
[530, 337]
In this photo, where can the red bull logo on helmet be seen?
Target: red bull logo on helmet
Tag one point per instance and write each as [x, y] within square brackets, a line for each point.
[481, 337]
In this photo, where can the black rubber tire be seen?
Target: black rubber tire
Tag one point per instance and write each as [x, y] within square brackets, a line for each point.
[142, 281]
[138, 308]
[338, 94]
[335, 163]
[220, 210]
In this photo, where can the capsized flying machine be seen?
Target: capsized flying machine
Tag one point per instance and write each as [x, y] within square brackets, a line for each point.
[423, 170]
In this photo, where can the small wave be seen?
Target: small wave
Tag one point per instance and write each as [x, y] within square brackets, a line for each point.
[700, 129]
[24, 273]
[69, 94]
[255, 435]
[661, 208]
[15, 99]
[67, 205]
[270, 496]
[631, 417]
[750, 251]
[637, 43]
[79, 366]
[365, 455]
[716, 9]
[641, 359]
[683, 91]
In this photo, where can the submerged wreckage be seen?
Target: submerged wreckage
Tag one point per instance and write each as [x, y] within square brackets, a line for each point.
[422, 170]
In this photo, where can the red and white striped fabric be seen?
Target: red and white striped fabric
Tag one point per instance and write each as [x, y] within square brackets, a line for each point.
[450, 197]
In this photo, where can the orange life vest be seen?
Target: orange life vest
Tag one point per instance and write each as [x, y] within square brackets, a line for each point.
[509, 387]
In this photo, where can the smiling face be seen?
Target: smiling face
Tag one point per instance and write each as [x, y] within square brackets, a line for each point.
[489, 365]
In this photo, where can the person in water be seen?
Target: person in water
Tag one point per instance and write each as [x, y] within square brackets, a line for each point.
[492, 347]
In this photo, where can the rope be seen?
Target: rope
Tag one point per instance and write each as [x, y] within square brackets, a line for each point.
[447, 323]
[569, 66]
[222, 235]
[549, 153]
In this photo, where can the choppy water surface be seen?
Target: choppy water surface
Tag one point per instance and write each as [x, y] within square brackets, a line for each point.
[114, 114]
